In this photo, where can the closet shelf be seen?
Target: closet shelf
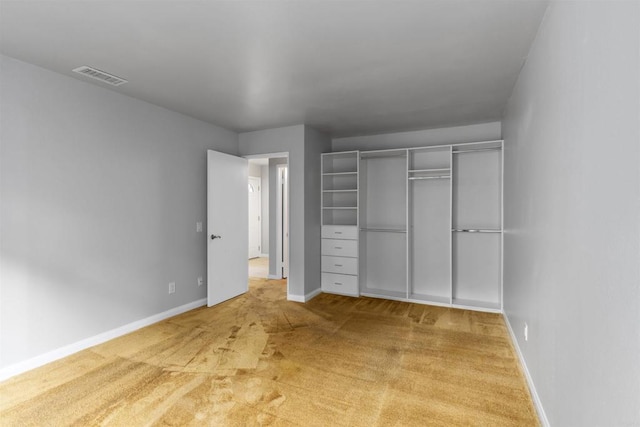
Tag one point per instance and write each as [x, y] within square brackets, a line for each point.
[414, 178]
[476, 230]
[476, 150]
[339, 173]
[430, 298]
[383, 230]
[339, 207]
[376, 154]
[430, 170]
[350, 190]
[464, 303]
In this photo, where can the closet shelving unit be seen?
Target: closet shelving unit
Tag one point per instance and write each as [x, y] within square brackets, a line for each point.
[383, 226]
[477, 226]
[427, 222]
[340, 223]
[429, 219]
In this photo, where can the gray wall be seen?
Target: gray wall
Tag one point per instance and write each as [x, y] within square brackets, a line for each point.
[254, 169]
[100, 195]
[304, 146]
[264, 174]
[470, 133]
[572, 191]
[315, 143]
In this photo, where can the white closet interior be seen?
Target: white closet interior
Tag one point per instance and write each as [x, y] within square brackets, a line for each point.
[424, 224]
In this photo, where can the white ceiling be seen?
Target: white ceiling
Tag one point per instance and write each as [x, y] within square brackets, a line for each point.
[344, 67]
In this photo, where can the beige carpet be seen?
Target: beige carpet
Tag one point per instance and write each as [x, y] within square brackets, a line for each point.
[259, 267]
[261, 360]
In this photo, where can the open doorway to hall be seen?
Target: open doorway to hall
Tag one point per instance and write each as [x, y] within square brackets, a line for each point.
[268, 217]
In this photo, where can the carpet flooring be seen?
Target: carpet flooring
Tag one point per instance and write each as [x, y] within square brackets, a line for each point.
[259, 267]
[260, 360]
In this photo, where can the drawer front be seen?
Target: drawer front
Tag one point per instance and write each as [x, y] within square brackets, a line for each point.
[341, 265]
[337, 247]
[339, 232]
[340, 284]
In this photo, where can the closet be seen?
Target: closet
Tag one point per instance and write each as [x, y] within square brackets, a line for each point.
[415, 224]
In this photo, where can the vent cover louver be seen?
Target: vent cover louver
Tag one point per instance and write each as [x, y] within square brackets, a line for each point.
[94, 73]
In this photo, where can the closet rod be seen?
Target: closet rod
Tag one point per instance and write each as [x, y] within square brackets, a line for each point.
[479, 149]
[411, 178]
[471, 230]
[383, 230]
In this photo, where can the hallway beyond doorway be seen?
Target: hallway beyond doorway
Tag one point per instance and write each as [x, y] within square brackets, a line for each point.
[259, 267]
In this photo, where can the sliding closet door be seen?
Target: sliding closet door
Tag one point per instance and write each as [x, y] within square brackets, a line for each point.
[383, 244]
[477, 227]
[429, 180]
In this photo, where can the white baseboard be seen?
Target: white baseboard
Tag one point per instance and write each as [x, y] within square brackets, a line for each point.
[532, 388]
[274, 277]
[59, 353]
[264, 255]
[306, 297]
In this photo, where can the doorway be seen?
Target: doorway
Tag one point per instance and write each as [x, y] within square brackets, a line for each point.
[270, 261]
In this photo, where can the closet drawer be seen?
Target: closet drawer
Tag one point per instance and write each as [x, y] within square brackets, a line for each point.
[337, 247]
[342, 265]
[339, 232]
[340, 284]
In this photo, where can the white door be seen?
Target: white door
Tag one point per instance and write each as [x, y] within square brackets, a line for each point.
[255, 209]
[227, 216]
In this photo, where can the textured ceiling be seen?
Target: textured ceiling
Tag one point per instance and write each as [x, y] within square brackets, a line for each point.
[344, 67]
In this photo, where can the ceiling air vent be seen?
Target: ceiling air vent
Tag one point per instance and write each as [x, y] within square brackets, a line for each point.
[100, 75]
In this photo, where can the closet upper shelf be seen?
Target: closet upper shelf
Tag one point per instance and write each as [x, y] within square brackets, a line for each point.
[342, 163]
[433, 170]
[364, 155]
[476, 230]
[340, 173]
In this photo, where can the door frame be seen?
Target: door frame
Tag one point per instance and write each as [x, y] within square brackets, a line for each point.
[278, 155]
[282, 222]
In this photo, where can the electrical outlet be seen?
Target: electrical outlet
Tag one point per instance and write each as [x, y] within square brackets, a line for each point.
[172, 287]
[200, 281]
[526, 332]
[199, 227]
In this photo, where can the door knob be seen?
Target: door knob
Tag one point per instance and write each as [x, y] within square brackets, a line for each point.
[213, 237]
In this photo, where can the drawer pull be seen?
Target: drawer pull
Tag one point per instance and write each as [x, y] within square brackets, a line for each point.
[337, 232]
[338, 247]
[338, 265]
[337, 283]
